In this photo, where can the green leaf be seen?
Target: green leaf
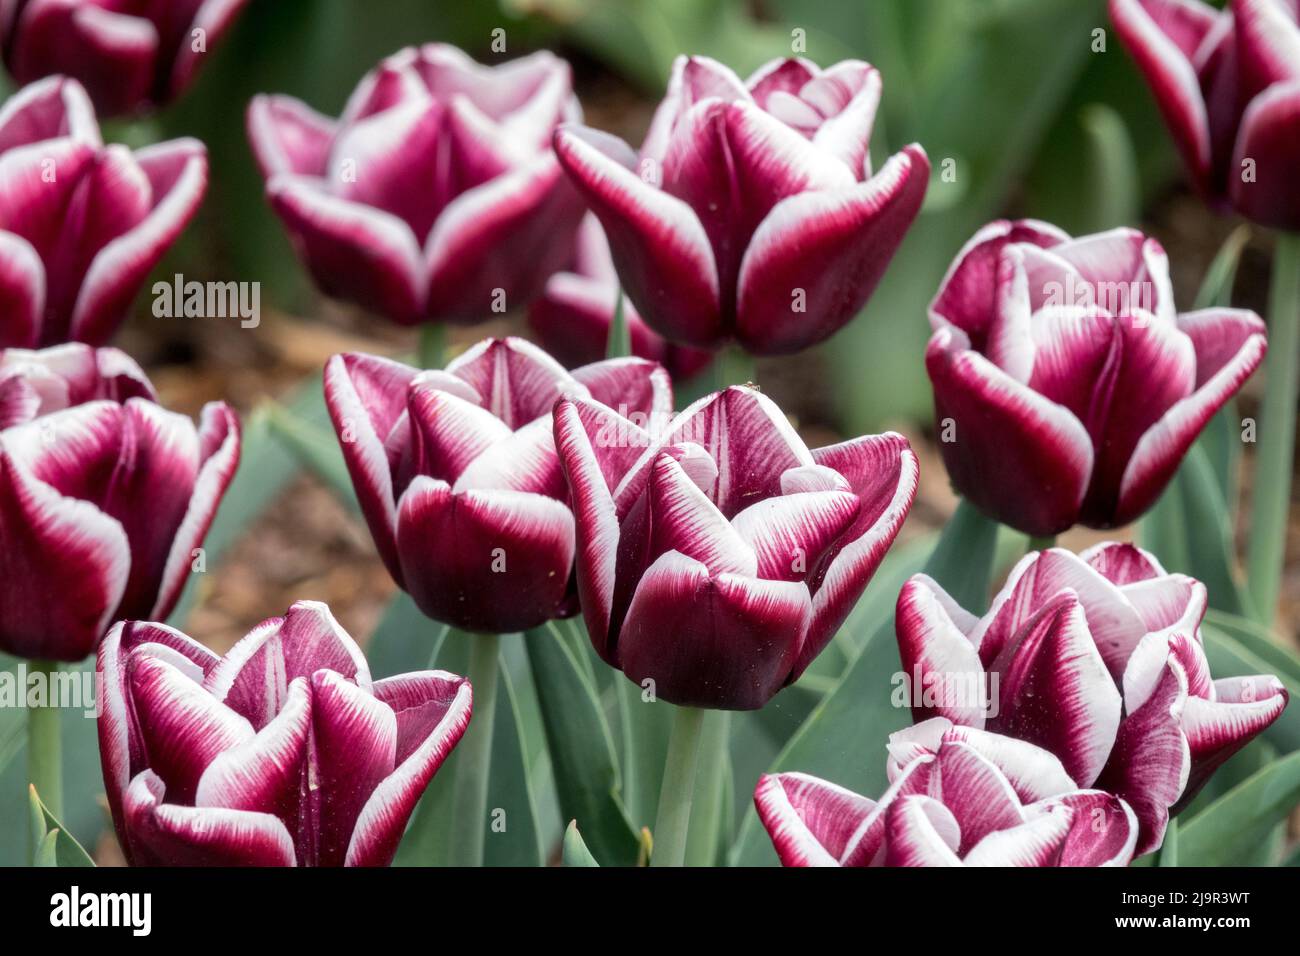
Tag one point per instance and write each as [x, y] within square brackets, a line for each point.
[575, 850]
[56, 846]
[317, 448]
[643, 731]
[843, 739]
[428, 839]
[620, 336]
[1243, 816]
[1216, 287]
[1251, 759]
[581, 746]
[1167, 855]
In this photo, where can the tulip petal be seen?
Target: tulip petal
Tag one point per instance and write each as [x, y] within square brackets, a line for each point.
[684, 520]
[354, 252]
[1016, 455]
[214, 18]
[936, 651]
[883, 472]
[975, 792]
[288, 136]
[165, 834]
[433, 710]
[1036, 842]
[178, 177]
[518, 382]
[1104, 831]
[1161, 448]
[1076, 356]
[524, 461]
[32, 203]
[818, 256]
[55, 547]
[485, 561]
[632, 387]
[1122, 563]
[1241, 707]
[725, 642]
[22, 292]
[791, 533]
[920, 831]
[662, 252]
[450, 433]
[1149, 764]
[1268, 138]
[1034, 773]
[1056, 691]
[809, 820]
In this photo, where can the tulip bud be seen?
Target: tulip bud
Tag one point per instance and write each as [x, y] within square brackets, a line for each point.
[751, 212]
[1068, 386]
[435, 196]
[458, 478]
[81, 223]
[1113, 642]
[103, 496]
[717, 558]
[130, 56]
[1228, 84]
[282, 753]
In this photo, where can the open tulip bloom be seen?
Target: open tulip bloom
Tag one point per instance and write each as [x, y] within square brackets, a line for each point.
[958, 796]
[1097, 658]
[717, 558]
[751, 212]
[436, 193]
[1067, 387]
[130, 54]
[574, 314]
[81, 223]
[104, 496]
[282, 753]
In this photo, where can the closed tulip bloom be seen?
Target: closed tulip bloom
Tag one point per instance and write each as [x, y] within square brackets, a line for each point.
[38, 382]
[957, 797]
[436, 195]
[1067, 387]
[81, 223]
[1097, 658]
[457, 474]
[129, 54]
[572, 317]
[104, 497]
[282, 753]
[717, 557]
[751, 212]
[1228, 84]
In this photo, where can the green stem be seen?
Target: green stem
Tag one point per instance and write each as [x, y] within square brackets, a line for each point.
[962, 560]
[1041, 542]
[619, 344]
[1274, 460]
[433, 345]
[734, 366]
[678, 789]
[44, 743]
[474, 755]
[709, 810]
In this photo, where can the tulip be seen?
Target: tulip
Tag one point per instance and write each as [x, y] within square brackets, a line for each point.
[282, 753]
[1228, 84]
[717, 558]
[1097, 658]
[957, 797]
[1067, 389]
[573, 316]
[457, 474]
[751, 212]
[130, 56]
[435, 196]
[102, 503]
[81, 223]
[37, 383]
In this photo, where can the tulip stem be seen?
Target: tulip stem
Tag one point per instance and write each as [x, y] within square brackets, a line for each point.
[678, 789]
[734, 366]
[1041, 542]
[44, 743]
[433, 345]
[474, 755]
[1274, 459]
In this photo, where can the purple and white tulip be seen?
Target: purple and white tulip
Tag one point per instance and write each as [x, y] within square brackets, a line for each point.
[282, 753]
[436, 195]
[1228, 84]
[751, 212]
[572, 317]
[1067, 387]
[457, 474]
[104, 497]
[957, 796]
[1097, 658]
[129, 54]
[81, 223]
[719, 555]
